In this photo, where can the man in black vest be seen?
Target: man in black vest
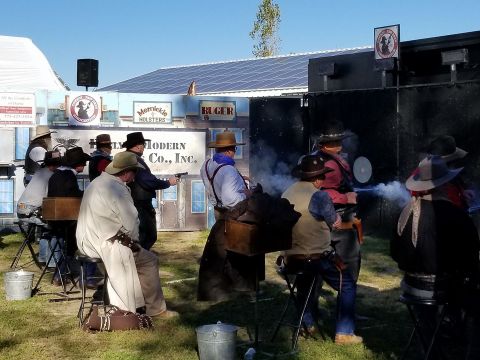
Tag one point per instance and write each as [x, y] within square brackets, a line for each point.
[63, 183]
[40, 144]
[143, 191]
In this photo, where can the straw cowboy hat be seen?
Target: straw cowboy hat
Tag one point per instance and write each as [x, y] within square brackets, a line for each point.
[309, 167]
[42, 130]
[125, 160]
[333, 131]
[102, 139]
[75, 156]
[445, 146]
[432, 172]
[223, 140]
[133, 139]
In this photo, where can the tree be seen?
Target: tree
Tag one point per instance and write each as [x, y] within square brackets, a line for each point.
[265, 29]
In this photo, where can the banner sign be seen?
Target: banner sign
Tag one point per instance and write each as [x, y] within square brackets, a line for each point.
[387, 42]
[84, 110]
[17, 109]
[167, 152]
[152, 112]
[217, 110]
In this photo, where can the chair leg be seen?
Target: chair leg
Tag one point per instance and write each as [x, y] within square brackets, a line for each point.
[437, 327]
[285, 309]
[82, 302]
[302, 313]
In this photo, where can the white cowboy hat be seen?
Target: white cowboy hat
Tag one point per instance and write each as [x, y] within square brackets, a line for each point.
[42, 130]
[431, 172]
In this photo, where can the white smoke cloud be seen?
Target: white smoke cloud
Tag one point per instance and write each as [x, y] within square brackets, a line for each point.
[270, 170]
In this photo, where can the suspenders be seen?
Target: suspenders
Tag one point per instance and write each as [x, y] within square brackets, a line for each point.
[210, 179]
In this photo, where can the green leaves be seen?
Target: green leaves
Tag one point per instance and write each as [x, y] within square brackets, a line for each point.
[265, 29]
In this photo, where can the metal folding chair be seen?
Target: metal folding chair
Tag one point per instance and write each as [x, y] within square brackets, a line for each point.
[300, 307]
[29, 227]
[428, 341]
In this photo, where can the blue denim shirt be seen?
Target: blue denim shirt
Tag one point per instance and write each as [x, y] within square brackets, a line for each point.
[321, 208]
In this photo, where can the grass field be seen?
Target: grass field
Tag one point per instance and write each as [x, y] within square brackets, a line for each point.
[38, 329]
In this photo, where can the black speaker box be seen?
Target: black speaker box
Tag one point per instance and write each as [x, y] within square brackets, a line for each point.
[87, 72]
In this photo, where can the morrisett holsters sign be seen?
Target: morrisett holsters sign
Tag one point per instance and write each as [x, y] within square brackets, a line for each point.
[167, 152]
[152, 112]
[17, 109]
[218, 110]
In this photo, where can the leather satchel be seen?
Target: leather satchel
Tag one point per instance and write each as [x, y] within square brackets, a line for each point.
[116, 319]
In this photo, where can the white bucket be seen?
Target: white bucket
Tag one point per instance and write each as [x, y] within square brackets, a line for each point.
[217, 342]
[18, 285]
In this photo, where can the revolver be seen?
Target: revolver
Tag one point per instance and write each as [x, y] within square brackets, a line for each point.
[179, 175]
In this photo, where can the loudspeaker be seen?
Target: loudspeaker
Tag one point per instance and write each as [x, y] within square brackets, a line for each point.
[87, 72]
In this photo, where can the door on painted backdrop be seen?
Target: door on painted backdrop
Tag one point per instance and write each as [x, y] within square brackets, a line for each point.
[167, 208]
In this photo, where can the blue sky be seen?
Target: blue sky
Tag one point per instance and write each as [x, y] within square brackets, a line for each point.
[130, 38]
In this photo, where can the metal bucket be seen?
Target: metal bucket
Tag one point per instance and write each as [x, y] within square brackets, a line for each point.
[217, 342]
[18, 285]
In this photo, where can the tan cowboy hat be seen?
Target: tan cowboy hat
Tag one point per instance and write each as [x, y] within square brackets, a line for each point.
[432, 172]
[125, 160]
[223, 140]
[42, 130]
[445, 146]
[309, 167]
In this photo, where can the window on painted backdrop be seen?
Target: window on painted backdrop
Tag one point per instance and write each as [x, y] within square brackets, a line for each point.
[6, 197]
[198, 197]
[169, 194]
[22, 140]
[238, 137]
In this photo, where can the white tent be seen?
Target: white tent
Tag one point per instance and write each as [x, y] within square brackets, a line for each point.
[24, 68]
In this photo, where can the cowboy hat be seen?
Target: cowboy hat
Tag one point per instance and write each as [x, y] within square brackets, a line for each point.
[102, 139]
[125, 160]
[52, 158]
[445, 146]
[431, 172]
[333, 131]
[223, 140]
[75, 156]
[309, 167]
[133, 139]
[42, 130]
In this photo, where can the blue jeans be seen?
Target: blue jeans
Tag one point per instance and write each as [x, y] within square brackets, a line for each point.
[341, 281]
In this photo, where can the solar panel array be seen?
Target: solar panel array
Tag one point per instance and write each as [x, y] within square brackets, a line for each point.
[279, 72]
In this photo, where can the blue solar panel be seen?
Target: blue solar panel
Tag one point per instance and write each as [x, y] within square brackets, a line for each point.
[281, 72]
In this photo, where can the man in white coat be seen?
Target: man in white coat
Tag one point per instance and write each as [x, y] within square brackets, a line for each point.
[107, 209]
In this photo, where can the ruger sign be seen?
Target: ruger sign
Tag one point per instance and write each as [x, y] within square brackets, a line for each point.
[152, 112]
[217, 110]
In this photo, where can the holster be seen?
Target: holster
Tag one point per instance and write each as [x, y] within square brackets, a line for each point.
[125, 240]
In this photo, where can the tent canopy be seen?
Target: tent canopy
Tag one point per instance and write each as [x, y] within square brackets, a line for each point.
[24, 68]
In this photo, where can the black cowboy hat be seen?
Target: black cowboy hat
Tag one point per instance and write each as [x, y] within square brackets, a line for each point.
[309, 167]
[332, 131]
[445, 146]
[133, 139]
[75, 156]
[52, 158]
